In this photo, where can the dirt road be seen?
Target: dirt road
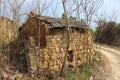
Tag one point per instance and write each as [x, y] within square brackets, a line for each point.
[113, 56]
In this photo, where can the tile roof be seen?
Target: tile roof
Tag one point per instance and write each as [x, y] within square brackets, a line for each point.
[58, 22]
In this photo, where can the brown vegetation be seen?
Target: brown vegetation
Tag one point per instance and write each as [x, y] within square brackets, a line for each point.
[108, 33]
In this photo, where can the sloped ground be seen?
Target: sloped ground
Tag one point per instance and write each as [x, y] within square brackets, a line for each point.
[92, 71]
[86, 73]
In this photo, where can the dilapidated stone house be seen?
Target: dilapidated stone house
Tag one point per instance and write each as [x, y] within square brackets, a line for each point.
[43, 43]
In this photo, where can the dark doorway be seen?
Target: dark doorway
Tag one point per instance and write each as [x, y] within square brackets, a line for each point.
[70, 56]
[43, 38]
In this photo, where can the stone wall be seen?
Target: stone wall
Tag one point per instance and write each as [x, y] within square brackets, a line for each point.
[52, 57]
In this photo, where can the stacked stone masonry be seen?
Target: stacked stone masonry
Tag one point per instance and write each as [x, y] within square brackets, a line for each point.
[46, 42]
[52, 57]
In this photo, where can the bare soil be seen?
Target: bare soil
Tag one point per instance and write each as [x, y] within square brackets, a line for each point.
[111, 63]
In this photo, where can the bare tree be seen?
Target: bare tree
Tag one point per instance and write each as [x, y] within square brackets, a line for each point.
[101, 21]
[89, 7]
[1, 30]
[15, 7]
[68, 34]
[84, 9]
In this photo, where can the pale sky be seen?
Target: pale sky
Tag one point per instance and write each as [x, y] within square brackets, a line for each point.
[111, 8]
[110, 5]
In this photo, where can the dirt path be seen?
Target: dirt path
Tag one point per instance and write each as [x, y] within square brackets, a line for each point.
[113, 56]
